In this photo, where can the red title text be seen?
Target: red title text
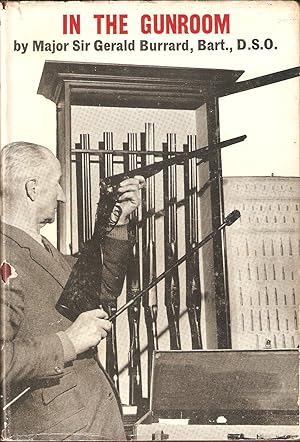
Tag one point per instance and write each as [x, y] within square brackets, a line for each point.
[111, 24]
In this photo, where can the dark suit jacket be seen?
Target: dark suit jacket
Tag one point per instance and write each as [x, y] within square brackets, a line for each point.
[64, 399]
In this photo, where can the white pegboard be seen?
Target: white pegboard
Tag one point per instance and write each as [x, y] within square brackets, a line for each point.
[263, 261]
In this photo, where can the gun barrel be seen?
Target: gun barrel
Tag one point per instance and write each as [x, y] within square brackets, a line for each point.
[230, 219]
[263, 80]
[152, 169]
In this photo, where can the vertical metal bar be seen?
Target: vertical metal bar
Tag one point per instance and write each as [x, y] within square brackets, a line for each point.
[79, 189]
[63, 143]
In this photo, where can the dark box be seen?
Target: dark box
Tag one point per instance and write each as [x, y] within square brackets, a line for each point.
[251, 389]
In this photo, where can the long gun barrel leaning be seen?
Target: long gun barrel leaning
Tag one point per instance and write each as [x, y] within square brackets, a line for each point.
[172, 292]
[228, 221]
[193, 288]
[133, 286]
[149, 249]
[106, 169]
[82, 290]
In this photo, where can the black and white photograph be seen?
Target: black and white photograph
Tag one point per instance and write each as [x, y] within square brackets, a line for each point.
[150, 229]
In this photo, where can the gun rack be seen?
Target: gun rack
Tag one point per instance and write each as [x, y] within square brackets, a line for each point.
[114, 118]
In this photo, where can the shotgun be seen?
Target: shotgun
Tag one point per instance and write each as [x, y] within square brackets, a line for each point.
[172, 293]
[82, 292]
[149, 249]
[106, 167]
[133, 286]
[193, 289]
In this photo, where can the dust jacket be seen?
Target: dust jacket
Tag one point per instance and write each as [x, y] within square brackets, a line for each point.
[209, 349]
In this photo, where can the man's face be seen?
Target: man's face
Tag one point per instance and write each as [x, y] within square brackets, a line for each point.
[50, 192]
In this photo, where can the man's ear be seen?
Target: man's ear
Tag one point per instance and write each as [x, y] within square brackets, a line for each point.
[31, 188]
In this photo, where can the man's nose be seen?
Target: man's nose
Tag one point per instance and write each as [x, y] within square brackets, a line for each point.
[61, 195]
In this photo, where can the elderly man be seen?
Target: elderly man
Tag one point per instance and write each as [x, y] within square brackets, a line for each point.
[68, 397]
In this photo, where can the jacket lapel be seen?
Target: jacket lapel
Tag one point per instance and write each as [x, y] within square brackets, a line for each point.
[53, 263]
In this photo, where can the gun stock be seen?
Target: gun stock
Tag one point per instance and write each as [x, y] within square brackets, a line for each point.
[111, 348]
[194, 301]
[134, 359]
[193, 289]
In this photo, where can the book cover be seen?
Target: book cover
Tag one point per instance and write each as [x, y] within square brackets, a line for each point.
[110, 87]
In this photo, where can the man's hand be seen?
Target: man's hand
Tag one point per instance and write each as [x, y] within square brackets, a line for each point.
[88, 329]
[129, 198]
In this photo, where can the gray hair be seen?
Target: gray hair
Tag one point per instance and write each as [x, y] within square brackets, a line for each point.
[20, 160]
